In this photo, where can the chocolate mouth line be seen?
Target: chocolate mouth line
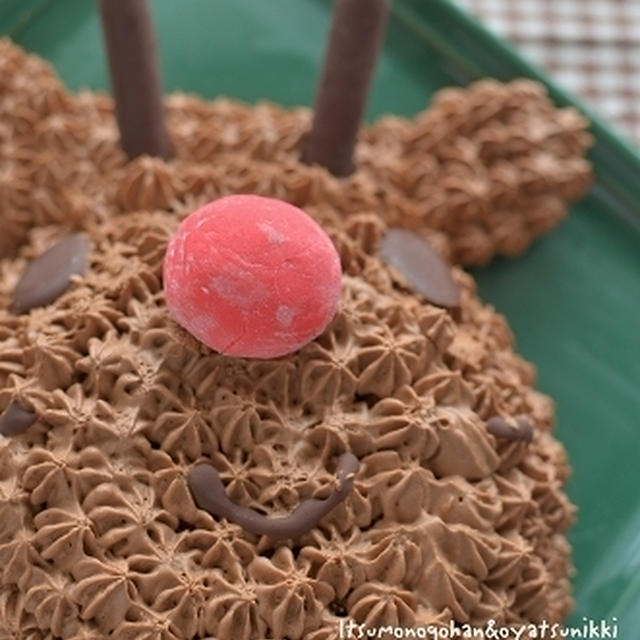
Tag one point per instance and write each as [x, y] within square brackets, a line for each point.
[209, 493]
[521, 430]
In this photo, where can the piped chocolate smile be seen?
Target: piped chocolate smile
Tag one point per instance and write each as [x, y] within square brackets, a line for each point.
[209, 494]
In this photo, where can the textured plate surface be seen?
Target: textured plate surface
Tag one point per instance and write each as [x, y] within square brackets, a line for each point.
[573, 300]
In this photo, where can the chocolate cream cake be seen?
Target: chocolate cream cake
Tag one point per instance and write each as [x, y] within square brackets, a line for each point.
[410, 418]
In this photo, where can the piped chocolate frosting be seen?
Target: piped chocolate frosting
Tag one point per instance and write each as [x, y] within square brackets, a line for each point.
[99, 532]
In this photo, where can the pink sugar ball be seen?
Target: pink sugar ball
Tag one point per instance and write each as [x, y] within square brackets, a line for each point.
[252, 277]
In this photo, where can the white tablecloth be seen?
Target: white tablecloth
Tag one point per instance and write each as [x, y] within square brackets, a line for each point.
[591, 47]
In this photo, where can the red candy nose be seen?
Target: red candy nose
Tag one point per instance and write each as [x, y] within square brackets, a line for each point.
[252, 277]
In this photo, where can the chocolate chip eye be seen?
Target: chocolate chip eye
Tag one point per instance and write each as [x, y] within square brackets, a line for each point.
[421, 266]
[49, 276]
[209, 494]
[16, 420]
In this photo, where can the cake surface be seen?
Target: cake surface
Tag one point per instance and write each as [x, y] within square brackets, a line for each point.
[99, 533]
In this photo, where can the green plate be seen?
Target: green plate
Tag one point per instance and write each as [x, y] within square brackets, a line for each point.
[573, 300]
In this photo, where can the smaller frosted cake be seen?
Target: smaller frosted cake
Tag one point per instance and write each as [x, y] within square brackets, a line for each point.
[410, 415]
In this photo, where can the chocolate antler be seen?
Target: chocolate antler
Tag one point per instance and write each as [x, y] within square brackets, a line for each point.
[135, 77]
[356, 36]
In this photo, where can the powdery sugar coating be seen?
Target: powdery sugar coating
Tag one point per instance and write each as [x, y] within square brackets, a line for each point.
[251, 276]
[98, 530]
